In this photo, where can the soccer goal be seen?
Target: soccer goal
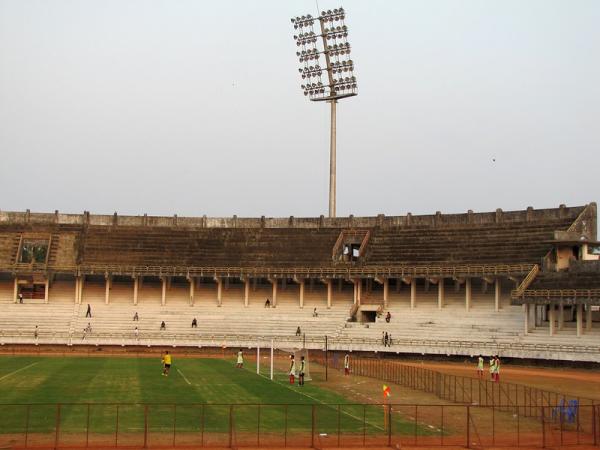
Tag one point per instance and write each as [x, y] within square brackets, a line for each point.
[275, 362]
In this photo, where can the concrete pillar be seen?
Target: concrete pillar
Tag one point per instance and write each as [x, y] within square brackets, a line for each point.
[219, 291]
[246, 292]
[354, 292]
[386, 288]
[329, 293]
[413, 293]
[274, 299]
[561, 316]
[16, 290]
[497, 289]
[579, 320]
[46, 290]
[136, 289]
[440, 293]
[468, 294]
[551, 319]
[526, 314]
[301, 293]
[192, 281]
[106, 289]
[81, 283]
[359, 291]
[163, 300]
[588, 318]
[76, 290]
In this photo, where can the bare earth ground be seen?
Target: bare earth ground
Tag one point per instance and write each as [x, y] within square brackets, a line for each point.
[577, 382]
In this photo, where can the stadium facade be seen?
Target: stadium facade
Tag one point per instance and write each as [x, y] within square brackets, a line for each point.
[519, 283]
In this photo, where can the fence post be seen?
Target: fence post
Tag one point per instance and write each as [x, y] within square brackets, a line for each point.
[594, 431]
[415, 426]
[364, 424]
[285, 426]
[174, 422]
[339, 424]
[27, 425]
[230, 426]
[518, 428]
[56, 436]
[87, 428]
[258, 427]
[202, 426]
[560, 412]
[468, 427]
[117, 428]
[312, 428]
[145, 426]
[543, 428]
[442, 427]
[389, 413]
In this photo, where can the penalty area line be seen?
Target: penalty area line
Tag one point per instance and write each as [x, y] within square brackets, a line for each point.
[18, 370]
[183, 376]
[321, 402]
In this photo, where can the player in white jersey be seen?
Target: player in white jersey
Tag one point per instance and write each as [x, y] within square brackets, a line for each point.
[292, 370]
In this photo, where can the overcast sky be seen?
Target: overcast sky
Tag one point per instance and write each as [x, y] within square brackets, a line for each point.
[191, 108]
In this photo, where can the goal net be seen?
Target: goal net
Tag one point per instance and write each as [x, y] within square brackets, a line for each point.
[281, 363]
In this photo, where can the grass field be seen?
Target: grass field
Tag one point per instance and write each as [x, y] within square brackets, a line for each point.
[203, 389]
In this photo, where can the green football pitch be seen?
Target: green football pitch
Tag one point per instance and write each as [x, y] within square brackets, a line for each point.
[202, 389]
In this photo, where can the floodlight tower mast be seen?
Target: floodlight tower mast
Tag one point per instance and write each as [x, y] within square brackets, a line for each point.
[336, 50]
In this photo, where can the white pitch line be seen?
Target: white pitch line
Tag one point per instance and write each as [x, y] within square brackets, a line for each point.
[18, 370]
[181, 373]
[321, 402]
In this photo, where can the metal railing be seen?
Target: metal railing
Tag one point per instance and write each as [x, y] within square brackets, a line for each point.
[527, 280]
[158, 338]
[277, 272]
[461, 389]
[561, 294]
[115, 425]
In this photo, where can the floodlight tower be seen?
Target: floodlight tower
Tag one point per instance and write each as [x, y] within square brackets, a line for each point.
[339, 68]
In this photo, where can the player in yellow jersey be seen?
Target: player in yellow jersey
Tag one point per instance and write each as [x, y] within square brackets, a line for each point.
[166, 360]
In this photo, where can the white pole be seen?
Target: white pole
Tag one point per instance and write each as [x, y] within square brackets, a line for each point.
[271, 359]
[258, 359]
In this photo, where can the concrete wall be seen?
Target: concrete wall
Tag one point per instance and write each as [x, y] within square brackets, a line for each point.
[434, 220]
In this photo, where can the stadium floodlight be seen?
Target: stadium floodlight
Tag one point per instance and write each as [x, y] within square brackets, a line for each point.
[339, 70]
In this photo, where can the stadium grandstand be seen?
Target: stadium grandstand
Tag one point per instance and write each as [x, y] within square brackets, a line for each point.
[521, 284]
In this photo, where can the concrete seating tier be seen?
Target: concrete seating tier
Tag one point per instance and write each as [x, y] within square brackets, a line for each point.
[6, 248]
[566, 280]
[209, 247]
[19, 320]
[228, 320]
[454, 327]
[494, 244]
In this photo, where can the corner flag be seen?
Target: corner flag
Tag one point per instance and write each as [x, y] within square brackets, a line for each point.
[386, 391]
